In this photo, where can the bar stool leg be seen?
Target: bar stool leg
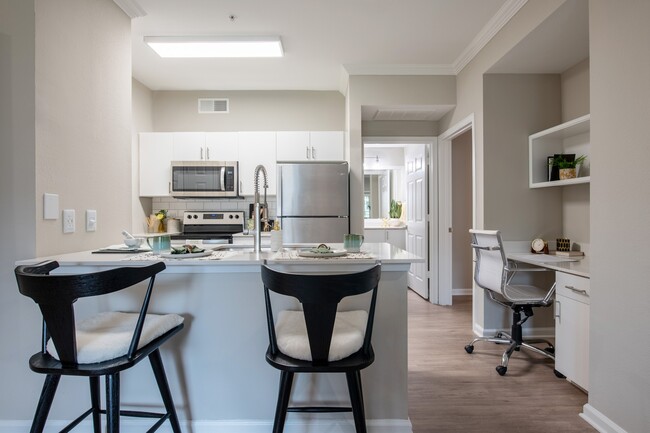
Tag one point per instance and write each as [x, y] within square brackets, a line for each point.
[113, 403]
[45, 403]
[163, 386]
[286, 380]
[356, 398]
[95, 402]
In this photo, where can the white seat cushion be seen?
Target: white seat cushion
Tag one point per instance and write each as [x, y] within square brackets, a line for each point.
[108, 335]
[347, 337]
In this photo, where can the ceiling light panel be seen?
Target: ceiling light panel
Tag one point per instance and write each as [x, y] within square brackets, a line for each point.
[215, 46]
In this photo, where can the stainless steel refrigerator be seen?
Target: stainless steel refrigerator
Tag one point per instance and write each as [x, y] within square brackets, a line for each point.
[313, 201]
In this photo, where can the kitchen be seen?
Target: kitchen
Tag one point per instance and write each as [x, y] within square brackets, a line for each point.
[70, 122]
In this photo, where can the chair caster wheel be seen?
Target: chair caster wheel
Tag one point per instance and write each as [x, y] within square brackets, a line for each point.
[469, 348]
[501, 370]
[550, 350]
[558, 374]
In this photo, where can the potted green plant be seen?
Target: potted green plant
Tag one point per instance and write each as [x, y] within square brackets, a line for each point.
[395, 212]
[567, 168]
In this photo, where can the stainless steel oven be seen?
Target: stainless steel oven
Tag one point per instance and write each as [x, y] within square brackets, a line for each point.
[204, 179]
[211, 226]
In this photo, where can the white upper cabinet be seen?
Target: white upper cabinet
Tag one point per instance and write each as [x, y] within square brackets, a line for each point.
[189, 146]
[310, 146]
[155, 160]
[571, 137]
[221, 146]
[327, 145]
[256, 148]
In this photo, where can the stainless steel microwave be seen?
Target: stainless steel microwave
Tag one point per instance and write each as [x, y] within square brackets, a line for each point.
[204, 179]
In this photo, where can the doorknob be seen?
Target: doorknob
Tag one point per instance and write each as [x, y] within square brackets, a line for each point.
[450, 230]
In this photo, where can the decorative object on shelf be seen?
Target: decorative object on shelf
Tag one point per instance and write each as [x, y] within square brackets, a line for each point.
[161, 215]
[539, 246]
[566, 166]
[395, 210]
[563, 244]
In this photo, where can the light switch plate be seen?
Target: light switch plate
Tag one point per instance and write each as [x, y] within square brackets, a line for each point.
[68, 221]
[91, 220]
[50, 206]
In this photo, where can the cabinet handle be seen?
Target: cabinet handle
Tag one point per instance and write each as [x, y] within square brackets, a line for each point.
[313, 153]
[169, 184]
[201, 154]
[207, 153]
[558, 309]
[241, 184]
[579, 291]
[307, 152]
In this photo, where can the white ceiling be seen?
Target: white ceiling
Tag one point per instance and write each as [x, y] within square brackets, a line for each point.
[324, 40]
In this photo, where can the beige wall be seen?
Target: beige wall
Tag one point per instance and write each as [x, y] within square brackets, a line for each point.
[142, 108]
[250, 111]
[19, 317]
[575, 91]
[575, 199]
[83, 120]
[399, 128]
[387, 91]
[461, 171]
[619, 377]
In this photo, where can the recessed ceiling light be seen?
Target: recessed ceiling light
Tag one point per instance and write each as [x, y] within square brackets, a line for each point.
[216, 46]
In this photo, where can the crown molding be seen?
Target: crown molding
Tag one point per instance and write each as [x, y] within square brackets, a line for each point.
[369, 69]
[496, 23]
[131, 8]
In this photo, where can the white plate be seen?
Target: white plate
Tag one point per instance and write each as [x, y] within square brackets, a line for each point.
[330, 253]
[186, 255]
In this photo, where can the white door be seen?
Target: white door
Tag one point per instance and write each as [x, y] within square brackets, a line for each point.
[416, 216]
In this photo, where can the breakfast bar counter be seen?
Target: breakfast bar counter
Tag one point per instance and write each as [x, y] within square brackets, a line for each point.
[216, 367]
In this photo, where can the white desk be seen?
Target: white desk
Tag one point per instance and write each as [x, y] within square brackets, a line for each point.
[571, 312]
[570, 265]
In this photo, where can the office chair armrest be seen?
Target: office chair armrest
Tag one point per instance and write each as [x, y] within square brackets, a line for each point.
[487, 248]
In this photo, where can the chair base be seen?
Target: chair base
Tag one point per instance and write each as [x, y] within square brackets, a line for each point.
[514, 345]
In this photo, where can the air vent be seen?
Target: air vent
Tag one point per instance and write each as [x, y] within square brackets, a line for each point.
[212, 106]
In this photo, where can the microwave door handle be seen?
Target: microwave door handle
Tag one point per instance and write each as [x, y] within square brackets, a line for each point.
[223, 178]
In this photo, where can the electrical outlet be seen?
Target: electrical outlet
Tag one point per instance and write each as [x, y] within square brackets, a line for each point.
[91, 220]
[68, 221]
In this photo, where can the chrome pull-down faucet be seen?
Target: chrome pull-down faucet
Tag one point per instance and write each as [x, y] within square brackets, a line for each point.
[257, 236]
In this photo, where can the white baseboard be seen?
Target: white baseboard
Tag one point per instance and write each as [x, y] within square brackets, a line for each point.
[461, 292]
[226, 426]
[599, 421]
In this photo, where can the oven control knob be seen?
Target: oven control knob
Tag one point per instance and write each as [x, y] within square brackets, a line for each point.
[189, 217]
[196, 217]
[237, 216]
[230, 216]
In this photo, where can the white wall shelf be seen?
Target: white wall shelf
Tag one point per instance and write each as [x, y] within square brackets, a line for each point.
[569, 137]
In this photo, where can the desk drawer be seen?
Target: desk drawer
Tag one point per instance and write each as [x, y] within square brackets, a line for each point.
[573, 287]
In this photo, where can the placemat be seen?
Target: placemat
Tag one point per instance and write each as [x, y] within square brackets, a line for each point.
[216, 255]
[293, 255]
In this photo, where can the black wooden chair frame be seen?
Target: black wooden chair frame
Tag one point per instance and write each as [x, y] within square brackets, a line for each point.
[320, 296]
[55, 296]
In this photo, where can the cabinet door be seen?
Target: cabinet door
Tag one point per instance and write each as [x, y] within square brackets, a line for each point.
[155, 159]
[189, 146]
[572, 340]
[293, 146]
[327, 145]
[221, 146]
[396, 238]
[256, 148]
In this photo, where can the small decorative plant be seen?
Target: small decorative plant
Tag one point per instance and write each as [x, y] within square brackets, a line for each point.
[563, 163]
[395, 210]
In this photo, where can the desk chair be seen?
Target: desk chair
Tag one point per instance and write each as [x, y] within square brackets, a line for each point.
[319, 339]
[493, 273]
[103, 345]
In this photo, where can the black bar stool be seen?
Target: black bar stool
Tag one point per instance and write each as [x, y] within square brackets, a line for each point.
[319, 339]
[95, 347]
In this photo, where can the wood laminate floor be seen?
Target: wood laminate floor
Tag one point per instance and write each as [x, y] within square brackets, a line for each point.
[452, 391]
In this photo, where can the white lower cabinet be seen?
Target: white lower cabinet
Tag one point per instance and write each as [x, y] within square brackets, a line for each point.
[572, 328]
[396, 237]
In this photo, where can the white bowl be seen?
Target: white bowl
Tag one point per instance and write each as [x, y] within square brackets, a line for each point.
[133, 243]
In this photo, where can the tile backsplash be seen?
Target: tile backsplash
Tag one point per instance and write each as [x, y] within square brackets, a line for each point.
[176, 206]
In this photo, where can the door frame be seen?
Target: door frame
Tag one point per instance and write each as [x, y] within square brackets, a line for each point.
[431, 152]
[445, 266]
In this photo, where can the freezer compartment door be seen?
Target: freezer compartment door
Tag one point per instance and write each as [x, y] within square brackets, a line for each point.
[314, 230]
[314, 189]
